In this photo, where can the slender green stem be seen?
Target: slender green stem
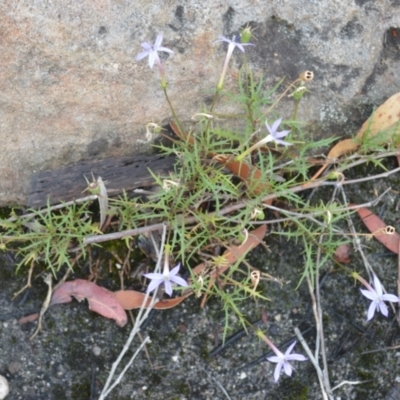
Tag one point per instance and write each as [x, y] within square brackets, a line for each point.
[212, 106]
[296, 109]
[172, 108]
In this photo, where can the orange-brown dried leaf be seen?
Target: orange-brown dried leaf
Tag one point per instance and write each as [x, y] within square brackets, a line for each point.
[385, 116]
[377, 227]
[131, 299]
[100, 300]
[182, 135]
[346, 146]
[250, 174]
[233, 253]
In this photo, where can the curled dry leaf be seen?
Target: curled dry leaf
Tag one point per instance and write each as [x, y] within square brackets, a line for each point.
[130, 299]
[385, 119]
[101, 300]
[386, 116]
[234, 253]
[346, 146]
[231, 255]
[250, 174]
[379, 230]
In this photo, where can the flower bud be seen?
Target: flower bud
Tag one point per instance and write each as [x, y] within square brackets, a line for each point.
[246, 35]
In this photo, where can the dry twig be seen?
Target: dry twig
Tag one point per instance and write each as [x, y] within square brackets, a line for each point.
[142, 316]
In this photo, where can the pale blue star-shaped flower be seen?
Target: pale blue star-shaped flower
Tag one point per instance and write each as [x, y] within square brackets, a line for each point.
[282, 360]
[165, 279]
[274, 135]
[152, 51]
[375, 294]
[233, 43]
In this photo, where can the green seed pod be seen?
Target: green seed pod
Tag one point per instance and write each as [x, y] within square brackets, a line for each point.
[93, 188]
[246, 35]
[260, 215]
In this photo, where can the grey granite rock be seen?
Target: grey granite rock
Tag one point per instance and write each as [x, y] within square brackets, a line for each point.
[72, 90]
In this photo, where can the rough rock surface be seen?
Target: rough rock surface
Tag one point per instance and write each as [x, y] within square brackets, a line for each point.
[72, 90]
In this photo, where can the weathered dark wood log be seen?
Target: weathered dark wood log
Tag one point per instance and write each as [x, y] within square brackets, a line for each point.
[122, 173]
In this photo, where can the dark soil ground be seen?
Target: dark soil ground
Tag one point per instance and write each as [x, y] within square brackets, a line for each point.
[72, 356]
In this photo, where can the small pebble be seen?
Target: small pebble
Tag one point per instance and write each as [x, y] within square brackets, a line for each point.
[14, 367]
[4, 387]
[273, 330]
[96, 350]
[243, 375]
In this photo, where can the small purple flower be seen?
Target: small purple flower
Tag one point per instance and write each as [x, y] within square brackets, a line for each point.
[165, 279]
[152, 51]
[232, 44]
[375, 294]
[275, 136]
[282, 360]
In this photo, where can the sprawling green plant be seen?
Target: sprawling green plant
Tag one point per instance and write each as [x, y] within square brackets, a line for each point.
[225, 178]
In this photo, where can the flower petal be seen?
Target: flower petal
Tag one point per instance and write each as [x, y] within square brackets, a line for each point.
[282, 134]
[146, 46]
[275, 126]
[158, 41]
[390, 297]
[240, 47]
[142, 55]
[369, 295]
[154, 275]
[296, 357]
[383, 308]
[290, 348]
[222, 39]
[268, 128]
[154, 284]
[179, 281]
[152, 57]
[282, 142]
[277, 372]
[371, 310]
[378, 286]
[288, 368]
[168, 287]
[174, 270]
[166, 50]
